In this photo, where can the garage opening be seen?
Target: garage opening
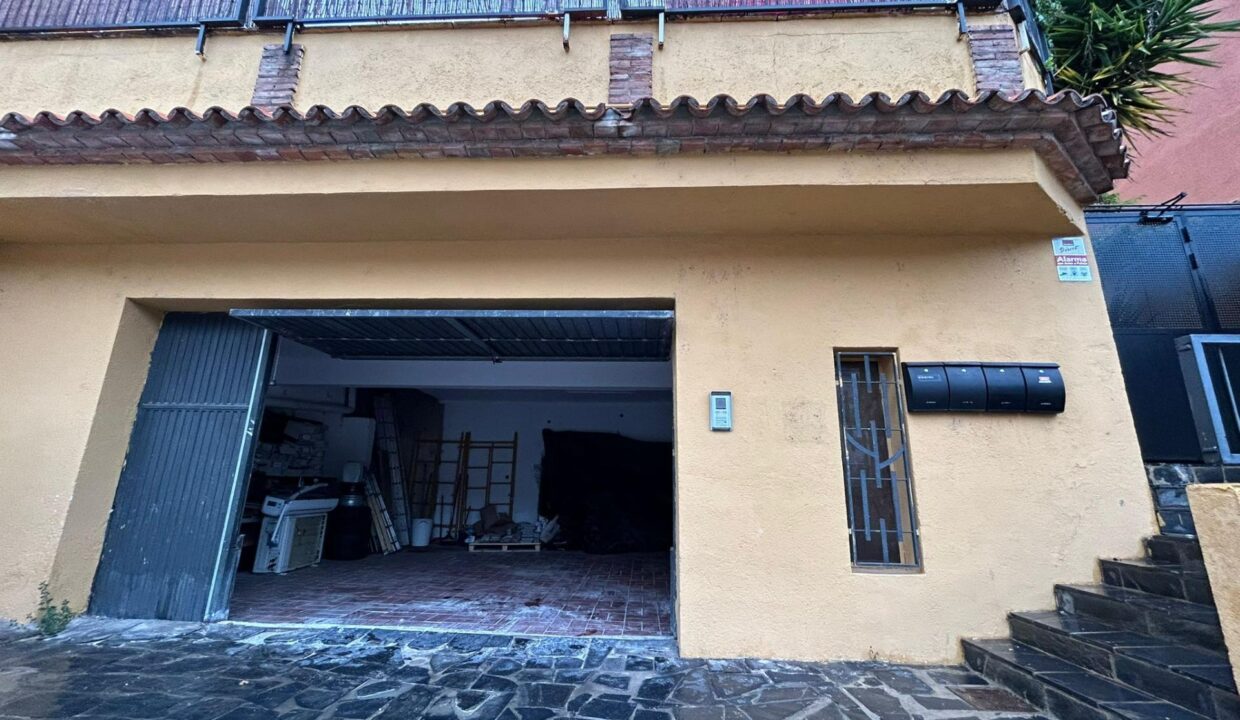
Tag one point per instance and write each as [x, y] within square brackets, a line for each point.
[505, 471]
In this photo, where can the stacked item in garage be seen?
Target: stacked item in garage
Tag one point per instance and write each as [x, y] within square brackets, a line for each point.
[609, 493]
[295, 449]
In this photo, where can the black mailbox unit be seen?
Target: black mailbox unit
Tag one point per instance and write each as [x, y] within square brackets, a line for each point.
[926, 386]
[1044, 388]
[991, 387]
[1005, 388]
[966, 387]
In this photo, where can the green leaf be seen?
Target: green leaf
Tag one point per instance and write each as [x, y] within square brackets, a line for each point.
[1123, 50]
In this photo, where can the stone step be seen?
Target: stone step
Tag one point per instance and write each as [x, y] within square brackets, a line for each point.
[1064, 689]
[1185, 623]
[1175, 550]
[1174, 515]
[1196, 679]
[1157, 578]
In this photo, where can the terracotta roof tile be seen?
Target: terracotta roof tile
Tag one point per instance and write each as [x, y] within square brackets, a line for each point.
[1077, 136]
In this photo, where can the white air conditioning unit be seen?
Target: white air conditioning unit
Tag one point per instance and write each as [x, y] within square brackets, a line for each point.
[293, 538]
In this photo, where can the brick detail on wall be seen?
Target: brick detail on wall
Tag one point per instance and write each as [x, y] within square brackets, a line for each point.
[631, 68]
[996, 58]
[277, 76]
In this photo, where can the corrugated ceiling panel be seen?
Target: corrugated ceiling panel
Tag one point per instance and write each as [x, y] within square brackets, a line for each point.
[475, 334]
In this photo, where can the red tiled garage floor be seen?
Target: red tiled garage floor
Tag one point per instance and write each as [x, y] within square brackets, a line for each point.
[545, 593]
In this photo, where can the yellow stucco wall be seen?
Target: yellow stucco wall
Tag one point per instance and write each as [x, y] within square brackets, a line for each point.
[474, 65]
[848, 54]
[852, 54]
[1008, 505]
[127, 73]
[1216, 515]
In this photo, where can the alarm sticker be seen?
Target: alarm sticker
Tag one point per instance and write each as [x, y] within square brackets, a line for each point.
[1071, 259]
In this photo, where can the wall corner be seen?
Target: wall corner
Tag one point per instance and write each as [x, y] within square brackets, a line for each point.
[1216, 515]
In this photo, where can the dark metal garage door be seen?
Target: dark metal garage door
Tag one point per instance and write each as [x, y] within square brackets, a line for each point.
[167, 553]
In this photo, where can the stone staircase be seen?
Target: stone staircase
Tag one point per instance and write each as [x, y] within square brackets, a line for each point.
[1144, 645]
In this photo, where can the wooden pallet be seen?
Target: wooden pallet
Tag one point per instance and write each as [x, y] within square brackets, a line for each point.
[505, 546]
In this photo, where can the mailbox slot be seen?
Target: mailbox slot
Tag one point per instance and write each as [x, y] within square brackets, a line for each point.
[966, 387]
[926, 387]
[1044, 388]
[1005, 386]
[989, 387]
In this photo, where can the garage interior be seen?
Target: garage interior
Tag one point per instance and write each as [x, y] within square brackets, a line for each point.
[499, 471]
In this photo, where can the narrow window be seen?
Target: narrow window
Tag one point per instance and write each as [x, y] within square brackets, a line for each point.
[882, 520]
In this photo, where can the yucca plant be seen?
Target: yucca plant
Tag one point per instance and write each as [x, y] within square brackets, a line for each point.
[1123, 50]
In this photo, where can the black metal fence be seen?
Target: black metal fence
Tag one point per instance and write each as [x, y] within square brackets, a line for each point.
[1166, 273]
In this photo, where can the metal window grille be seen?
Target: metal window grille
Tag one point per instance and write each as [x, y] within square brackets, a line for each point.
[882, 516]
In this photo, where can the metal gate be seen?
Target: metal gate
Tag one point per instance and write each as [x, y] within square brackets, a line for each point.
[1166, 273]
[169, 550]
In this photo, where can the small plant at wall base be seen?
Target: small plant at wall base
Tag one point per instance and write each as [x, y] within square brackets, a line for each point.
[50, 618]
[1121, 49]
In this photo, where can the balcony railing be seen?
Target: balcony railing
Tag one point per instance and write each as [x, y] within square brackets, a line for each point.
[367, 11]
[44, 16]
[25, 17]
[67, 15]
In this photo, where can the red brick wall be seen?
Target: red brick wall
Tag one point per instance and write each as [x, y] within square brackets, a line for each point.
[996, 58]
[630, 64]
[278, 73]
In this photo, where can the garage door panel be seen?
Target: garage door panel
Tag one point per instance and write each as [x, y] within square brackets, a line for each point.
[177, 497]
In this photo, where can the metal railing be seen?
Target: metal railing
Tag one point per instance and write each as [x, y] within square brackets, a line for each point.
[20, 17]
[364, 12]
[1025, 14]
[41, 16]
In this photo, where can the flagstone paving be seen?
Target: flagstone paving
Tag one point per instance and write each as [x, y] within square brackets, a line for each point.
[128, 669]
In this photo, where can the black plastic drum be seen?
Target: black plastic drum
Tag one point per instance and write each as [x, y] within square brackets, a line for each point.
[348, 531]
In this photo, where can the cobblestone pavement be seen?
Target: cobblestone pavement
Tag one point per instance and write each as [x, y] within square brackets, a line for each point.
[126, 669]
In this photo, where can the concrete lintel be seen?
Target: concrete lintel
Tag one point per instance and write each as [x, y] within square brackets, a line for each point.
[966, 193]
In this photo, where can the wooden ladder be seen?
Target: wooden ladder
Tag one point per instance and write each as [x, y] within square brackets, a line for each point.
[382, 533]
[388, 438]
